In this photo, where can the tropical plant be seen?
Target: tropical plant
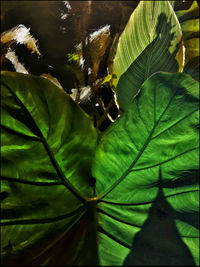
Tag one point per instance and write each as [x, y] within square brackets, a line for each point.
[127, 195]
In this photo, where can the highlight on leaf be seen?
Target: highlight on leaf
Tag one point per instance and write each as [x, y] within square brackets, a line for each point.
[148, 45]
[100, 158]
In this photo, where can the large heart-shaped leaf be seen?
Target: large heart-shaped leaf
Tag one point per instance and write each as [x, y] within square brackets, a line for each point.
[47, 146]
[159, 130]
[147, 45]
[145, 168]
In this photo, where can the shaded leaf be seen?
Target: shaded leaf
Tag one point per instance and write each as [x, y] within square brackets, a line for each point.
[47, 148]
[149, 249]
[192, 68]
[189, 21]
[160, 129]
[131, 81]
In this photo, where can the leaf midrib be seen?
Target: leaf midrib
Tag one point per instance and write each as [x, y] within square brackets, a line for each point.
[167, 160]
[141, 150]
[49, 152]
[147, 202]
[27, 182]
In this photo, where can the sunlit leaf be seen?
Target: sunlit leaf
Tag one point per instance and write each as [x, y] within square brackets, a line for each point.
[131, 200]
[159, 130]
[148, 45]
[180, 57]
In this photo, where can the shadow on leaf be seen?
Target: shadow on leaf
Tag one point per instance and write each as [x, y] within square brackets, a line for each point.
[156, 57]
[159, 242]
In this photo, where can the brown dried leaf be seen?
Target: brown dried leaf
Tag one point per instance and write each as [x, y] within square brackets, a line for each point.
[21, 35]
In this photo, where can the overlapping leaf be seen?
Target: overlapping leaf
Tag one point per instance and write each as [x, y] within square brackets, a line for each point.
[189, 21]
[147, 45]
[192, 68]
[146, 163]
[159, 130]
[47, 147]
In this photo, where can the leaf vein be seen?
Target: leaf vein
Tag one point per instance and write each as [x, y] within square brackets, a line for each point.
[23, 181]
[101, 230]
[43, 221]
[117, 219]
[160, 163]
[142, 149]
[174, 124]
[50, 154]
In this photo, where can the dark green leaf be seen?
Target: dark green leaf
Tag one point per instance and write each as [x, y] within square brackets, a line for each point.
[47, 147]
[49, 218]
[192, 68]
[189, 21]
[154, 58]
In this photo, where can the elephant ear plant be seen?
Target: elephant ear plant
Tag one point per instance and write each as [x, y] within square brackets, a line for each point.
[71, 195]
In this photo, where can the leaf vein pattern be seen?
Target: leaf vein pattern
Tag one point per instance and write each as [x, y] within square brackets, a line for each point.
[126, 204]
[23, 181]
[149, 202]
[141, 116]
[101, 230]
[160, 163]
[33, 138]
[43, 221]
[119, 220]
[50, 154]
[141, 151]
[174, 124]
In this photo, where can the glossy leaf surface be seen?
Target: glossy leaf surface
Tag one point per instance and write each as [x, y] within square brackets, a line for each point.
[159, 130]
[146, 170]
[149, 42]
[47, 146]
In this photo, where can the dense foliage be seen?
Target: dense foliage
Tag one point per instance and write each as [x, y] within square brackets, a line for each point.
[100, 153]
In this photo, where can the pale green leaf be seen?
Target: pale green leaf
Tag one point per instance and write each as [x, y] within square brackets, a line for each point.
[150, 21]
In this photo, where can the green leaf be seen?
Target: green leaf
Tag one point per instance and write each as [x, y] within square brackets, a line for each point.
[192, 68]
[146, 170]
[131, 81]
[189, 21]
[159, 130]
[48, 144]
[153, 33]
